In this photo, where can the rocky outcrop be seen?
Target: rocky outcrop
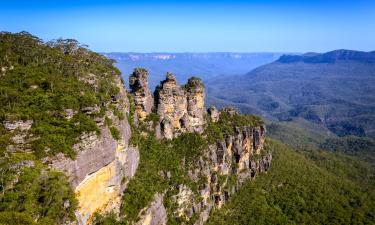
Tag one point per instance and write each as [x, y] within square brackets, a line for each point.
[195, 105]
[171, 106]
[142, 96]
[220, 172]
[155, 214]
[225, 165]
[213, 113]
[180, 108]
[20, 132]
[103, 164]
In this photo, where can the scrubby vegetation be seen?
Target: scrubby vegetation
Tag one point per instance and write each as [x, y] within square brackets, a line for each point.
[32, 192]
[61, 87]
[299, 190]
[39, 81]
[227, 124]
[164, 164]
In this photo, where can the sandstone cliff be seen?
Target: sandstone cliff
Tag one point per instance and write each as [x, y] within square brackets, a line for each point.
[179, 108]
[220, 171]
[103, 162]
[142, 96]
[235, 152]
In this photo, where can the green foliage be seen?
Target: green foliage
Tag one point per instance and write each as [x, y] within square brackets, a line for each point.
[115, 133]
[157, 157]
[155, 118]
[298, 190]
[131, 109]
[120, 115]
[227, 124]
[59, 135]
[16, 218]
[40, 80]
[363, 148]
[107, 219]
[177, 156]
[30, 190]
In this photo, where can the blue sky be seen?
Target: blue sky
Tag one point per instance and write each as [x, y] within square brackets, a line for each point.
[198, 26]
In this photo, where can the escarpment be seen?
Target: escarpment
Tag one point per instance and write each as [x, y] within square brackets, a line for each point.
[103, 161]
[75, 143]
[64, 131]
[216, 151]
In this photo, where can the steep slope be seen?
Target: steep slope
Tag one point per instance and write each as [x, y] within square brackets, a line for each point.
[320, 188]
[334, 90]
[64, 131]
[190, 161]
[70, 134]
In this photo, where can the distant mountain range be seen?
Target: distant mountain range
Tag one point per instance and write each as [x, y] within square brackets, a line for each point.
[184, 65]
[333, 91]
[330, 57]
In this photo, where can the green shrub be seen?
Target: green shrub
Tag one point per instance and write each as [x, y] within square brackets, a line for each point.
[115, 133]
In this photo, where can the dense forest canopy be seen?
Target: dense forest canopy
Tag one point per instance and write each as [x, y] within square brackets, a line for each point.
[40, 81]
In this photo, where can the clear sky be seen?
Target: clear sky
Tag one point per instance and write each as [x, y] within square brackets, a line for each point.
[198, 26]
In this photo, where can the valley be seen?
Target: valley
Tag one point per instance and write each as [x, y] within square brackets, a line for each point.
[82, 145]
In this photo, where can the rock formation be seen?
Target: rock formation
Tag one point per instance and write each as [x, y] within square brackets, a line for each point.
[171, 106]
[214, 114]
[180, 108]
[102, 163]
[195, 104]
[155, 214]
[239, 155]
[224, 165]
[142, 96]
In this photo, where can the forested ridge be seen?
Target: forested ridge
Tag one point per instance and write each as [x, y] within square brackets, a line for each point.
[313, 187]
[39, 81]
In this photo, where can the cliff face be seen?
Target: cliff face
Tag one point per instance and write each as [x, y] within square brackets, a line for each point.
[99, 172]
[224, 166]
[104, 163]
[171, 106]
[230, 162]
[195, 104]
[143, 99]
[221, 168]
[180, 108]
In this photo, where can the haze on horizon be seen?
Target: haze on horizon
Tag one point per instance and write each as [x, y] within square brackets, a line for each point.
[198, 26]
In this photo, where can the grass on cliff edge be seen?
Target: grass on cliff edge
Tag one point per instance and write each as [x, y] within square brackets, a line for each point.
[304, 189]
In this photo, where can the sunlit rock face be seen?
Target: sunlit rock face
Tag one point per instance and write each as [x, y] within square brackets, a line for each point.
[181, 108]
[103, 165]
[171, 106]
[195, 104]
[101, 190]
[213, 113]
[143, 99]
[155, 213]
[226, 165]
